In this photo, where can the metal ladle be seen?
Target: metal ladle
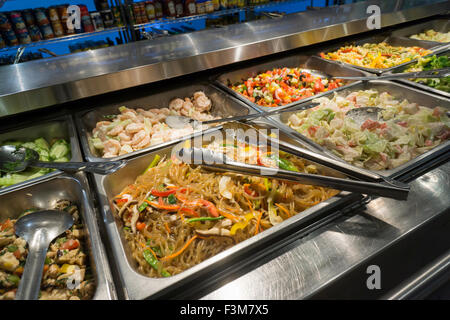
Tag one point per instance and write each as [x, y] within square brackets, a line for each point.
[38, 229]
[16, 159]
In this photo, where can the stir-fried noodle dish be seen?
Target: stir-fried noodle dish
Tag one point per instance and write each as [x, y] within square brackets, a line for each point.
[177, 215]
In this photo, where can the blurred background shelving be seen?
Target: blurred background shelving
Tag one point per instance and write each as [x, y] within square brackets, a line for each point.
[34, 29]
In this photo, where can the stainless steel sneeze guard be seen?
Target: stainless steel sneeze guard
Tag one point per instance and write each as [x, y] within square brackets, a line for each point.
[139, 286]
[321, 264]
[48, 82]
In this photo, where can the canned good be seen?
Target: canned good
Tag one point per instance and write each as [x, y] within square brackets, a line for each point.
[87, 23]
[11, 38]
[117, 16]
[28, 17]
[158, 9]
[53, 14]
[17, 21]
[47, 31]
[107, 17]
[97, 21]
[58, 29]
[41, 17]
[35, 33]
[2, 42]
[5, 25]
[23, 36]
[101, 5]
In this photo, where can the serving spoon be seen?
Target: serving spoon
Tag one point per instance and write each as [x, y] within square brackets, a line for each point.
[16, 159]
[38, 228]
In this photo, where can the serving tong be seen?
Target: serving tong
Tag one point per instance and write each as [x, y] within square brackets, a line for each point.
[366, 182]
[436, 73]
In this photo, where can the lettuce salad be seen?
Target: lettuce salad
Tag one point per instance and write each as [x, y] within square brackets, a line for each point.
[403, 131]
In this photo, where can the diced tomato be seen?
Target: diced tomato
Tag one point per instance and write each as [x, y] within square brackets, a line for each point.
[70, 244]
[249, 191]
[402, 123]
[318, 86]
[437, 112]
[345, 50]
[370, 125]
[312, 130]
[140, 225]
[17, 254]
[121, 201]
[352, 144]
[428, 143]
[7, 224]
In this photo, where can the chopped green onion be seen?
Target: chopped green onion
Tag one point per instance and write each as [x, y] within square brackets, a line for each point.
[171, 199]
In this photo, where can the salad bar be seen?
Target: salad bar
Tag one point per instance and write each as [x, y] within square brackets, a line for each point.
[154, 225]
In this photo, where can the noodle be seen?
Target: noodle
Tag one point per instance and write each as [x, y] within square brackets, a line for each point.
[178, 195]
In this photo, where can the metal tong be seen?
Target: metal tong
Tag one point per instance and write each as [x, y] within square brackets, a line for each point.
[436, 73]
[220, 162]
[366, 182]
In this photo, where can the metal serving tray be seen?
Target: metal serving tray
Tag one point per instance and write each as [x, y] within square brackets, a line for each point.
[44, 195]
[398, 90]
[139, 286]
[310, 64]
[443, 51]
[440, 25]
[222, 105]
[393, 41]
[60, 127]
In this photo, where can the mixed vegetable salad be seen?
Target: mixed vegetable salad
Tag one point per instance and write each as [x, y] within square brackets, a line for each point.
[432, 35]
[404, 130]
[431, 63]
[281, 86]
[66, 261]
[57, 151]
[376, 55]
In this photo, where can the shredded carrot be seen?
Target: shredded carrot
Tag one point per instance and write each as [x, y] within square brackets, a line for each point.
[258, 222]
[181, 250]
[284, 209]
[229, 215]
[167, 227]
[140, 226]
[250, 204]
[46, 268]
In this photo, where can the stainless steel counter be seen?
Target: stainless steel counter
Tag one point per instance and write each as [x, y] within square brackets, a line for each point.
[41, 83]
[332, 262]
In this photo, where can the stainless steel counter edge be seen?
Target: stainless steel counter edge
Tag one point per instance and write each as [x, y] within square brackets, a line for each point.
[42, 83]
[325, 256]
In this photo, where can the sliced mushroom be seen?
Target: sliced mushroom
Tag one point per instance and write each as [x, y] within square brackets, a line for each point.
[217, 230]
